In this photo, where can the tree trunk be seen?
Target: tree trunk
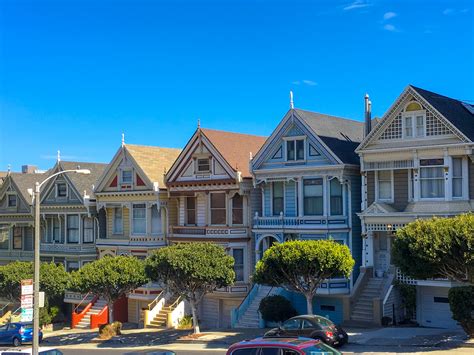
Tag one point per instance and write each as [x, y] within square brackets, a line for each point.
[309, 303]
[195, 318]
[110, 306]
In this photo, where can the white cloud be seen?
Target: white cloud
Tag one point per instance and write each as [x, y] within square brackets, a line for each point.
[357, 4]
[448, 11]
[389, 27]
[389, 15]
[310, 82]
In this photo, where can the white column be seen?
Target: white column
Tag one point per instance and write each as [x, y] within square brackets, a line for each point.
[368, 248]
[300, 197]
[448, 174]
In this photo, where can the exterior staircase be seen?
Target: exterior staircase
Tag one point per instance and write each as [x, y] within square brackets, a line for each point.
[97, 307]
[250, 317]
[161, 318]
[362, 310]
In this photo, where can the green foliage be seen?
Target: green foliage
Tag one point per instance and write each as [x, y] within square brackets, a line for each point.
[186, 322]
[53, 279]
[301, 265]
[110, 277]
[461, 302]
[408, 298]
[436, 248]
[276, 309]
[191, 270]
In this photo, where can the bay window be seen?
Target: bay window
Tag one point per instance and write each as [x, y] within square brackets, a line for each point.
[73, 229]
[277, 200]
[238, 255]
[190, 210]
[335, 188]
[118, 220]
[218, 208]
[295, 149]
[457, 177]
[238, 209]
[139, 218]
[384, 185]
[432, 178]
[313, 197]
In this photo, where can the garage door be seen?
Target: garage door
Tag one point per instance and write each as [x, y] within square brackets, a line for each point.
[433, 308]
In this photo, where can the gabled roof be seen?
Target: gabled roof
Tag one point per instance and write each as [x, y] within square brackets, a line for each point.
[235, 148]
[460, 114]
[83, 182]
[23, 182]
[341, 135]
[154, 161]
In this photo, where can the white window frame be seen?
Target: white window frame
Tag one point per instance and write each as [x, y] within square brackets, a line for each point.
[56, 188]
[271, 198]
[203, 171]
[324, 196]
[79, 227]
[443, 198]
[342, 197]
[121, 176]
[413, 115]
[392, 188]
[132, 219]
[84, 229]
[293, 140]
[114, 231]
[160, 226]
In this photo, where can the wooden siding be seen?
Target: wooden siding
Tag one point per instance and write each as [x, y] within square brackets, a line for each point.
[132, 310]
[471, 180]
[209, 312]
[290, 199]
[356, 224]
[370, 187]
[201, 205]
[172, 212]
[400, 189]
[266, 195]
[110, 223]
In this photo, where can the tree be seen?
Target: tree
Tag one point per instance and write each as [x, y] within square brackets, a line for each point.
[192, 270]
[110, 278]
[53, 279]
[436, 248]
[461, 303]
[302, 265]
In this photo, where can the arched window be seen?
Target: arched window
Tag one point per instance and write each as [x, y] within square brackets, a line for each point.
[413, 106]
[237, 209]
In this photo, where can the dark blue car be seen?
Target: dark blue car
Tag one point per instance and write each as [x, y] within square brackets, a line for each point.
[17, 333]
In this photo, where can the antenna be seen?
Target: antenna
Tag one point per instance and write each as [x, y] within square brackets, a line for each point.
[292, 106]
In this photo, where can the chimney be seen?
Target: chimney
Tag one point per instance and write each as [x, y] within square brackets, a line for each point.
[29, 169]
[368, 115]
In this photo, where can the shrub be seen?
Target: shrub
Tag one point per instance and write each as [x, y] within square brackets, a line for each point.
[408, 296]
[276, 309]
[461, 302]
[107, 331]
[186, 322]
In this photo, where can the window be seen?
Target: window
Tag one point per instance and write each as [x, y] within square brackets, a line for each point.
[4, 237]
[246, 351]
[408, 127]
[336, 197]
[12, 201]
[295, 149]
[432, 178]
[52, 231]
[292, 324]
[238, 209]
[118, 220]
[139, 218]
[238, 255]
[203, 165]
[73, 229]
[72, 266]
[384, 182]
[420, 126]
[17, 238]
[218, 210]
[155, 220]
[277, 198]
[307, 324]
[325, 307]
[127, 176]
[88, 230]
[61, 190]
[191, 210]
[414, 125]
[313, 197]
[457, 177]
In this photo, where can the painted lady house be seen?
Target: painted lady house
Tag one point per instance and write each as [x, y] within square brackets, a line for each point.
[308, 175]
[416, 163]
[211, 188]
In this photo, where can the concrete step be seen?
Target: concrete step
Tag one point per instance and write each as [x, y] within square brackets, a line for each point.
[364, 307]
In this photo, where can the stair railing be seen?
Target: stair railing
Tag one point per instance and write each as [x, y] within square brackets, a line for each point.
[16, 315]
[176, 313]
[155, 301]
[100, 318]
[83, 299]
[77, 317]
[237, 313]
[153, 309]
[2, 310]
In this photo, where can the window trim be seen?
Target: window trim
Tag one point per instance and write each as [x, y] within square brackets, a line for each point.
[271, 198]
[330, 196]
[209, 171]
[84, 229]
[132, 229]
[155, 207]
[232, 210]
[392, 188]
[244, 261]
[121, 176]
[323, 193]
[225, 207]
[463, 178]
[293, 140]
[8, 200]
[443, 166]
[186, 211]
[78, 228]
[413, 115]
[21, 236]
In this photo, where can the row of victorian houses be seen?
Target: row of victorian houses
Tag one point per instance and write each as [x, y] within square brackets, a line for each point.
[315, 177]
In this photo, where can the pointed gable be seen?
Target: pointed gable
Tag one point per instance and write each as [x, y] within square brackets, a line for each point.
[18, 184]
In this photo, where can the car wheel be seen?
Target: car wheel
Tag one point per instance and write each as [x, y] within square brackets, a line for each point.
[16, 342]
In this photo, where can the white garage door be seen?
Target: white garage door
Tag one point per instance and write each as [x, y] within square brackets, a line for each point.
[433, 308]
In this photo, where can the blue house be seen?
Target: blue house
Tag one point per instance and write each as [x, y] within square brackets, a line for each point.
[309, 177]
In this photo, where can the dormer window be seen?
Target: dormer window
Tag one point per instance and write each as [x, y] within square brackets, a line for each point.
[61, 190]
[295, 149]
[12, 201]
[203, 165]
[127, 177]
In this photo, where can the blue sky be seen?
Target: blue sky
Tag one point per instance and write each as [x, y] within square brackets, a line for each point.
[74, 75]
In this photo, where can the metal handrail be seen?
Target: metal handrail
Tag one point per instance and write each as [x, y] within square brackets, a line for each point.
[16, 310]
[3, 308]
[155, 301]
[83, 299]
[175, 303]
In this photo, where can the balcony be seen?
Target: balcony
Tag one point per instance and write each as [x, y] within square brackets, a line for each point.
[209, 231]
[76, 297]
[306, 222]
[133, 240]
[68, 248]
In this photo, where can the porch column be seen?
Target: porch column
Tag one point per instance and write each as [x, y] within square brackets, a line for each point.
[368, 250]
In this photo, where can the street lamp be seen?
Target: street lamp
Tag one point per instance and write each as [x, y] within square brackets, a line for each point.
[36, 276]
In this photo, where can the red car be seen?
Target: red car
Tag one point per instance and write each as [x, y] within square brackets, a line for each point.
[281, 346]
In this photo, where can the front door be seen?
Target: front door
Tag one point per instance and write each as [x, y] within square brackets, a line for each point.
[382, 243]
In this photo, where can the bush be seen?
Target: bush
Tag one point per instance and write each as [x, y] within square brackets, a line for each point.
[408, 296]
[107, 331]
[276, 309]
[461, 302]
[186, 322]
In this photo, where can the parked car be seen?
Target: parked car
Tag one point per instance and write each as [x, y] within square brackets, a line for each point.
[312, 326]
[17, 333]
[281, 346]
[41, 351]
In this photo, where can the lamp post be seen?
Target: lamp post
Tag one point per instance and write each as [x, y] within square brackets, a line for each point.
[36, 275]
